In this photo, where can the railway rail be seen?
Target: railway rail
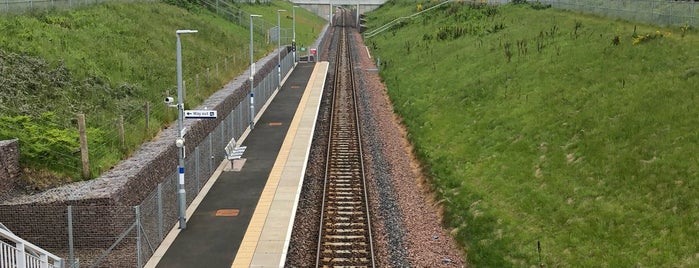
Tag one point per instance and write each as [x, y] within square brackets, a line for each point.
[344, 238]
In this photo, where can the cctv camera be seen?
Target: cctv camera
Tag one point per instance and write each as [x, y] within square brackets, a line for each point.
[169, 100]
[179, 142]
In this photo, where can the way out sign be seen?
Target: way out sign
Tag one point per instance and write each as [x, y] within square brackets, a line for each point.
[201, 114]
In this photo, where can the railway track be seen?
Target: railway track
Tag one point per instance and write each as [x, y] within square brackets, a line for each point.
[344, 239]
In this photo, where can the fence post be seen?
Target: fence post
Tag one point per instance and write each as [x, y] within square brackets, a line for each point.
[147, 119]
[211, 154]
[71, 256]
[196, 166]
[160, 212]
[233, 130]
[122, 142]
[223, 136]
[138, 236]
[83, 146]
[20, 258]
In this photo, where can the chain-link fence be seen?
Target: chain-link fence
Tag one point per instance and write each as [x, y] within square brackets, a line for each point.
[661, 12]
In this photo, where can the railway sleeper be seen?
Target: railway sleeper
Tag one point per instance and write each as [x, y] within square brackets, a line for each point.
[347, 251]
[346, 261]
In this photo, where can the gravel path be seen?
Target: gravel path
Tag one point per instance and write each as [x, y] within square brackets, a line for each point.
[407, 226]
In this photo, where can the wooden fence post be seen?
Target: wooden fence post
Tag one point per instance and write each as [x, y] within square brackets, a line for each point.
[120, 124]
[147, 127]
[83, 146]
[196, 85]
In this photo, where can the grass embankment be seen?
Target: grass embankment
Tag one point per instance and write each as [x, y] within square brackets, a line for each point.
[108, 60]
[551, 127]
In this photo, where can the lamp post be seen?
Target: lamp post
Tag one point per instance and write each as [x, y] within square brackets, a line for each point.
[293, 30]
[279, 54]
[180, 135]
[252, 77]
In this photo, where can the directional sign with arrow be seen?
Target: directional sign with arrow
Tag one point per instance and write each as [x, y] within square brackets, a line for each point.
[201, 114]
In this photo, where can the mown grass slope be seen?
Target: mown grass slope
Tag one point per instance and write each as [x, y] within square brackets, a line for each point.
[548, 134]
[108, 60]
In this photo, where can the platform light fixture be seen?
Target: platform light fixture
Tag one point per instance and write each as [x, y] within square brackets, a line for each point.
[293, 30]
[252, 76]
[279, 46]
[182, 196]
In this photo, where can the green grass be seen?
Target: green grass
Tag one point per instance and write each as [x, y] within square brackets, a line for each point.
[108, 60]
[584, 146]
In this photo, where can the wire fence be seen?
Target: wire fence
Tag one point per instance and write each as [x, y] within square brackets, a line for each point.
[660, 12]
[22, 6]
[241, 17]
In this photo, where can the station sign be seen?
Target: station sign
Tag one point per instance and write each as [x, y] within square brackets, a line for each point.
[200, 114]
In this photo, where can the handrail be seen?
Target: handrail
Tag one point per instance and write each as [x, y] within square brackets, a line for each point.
[394, 22]
[25, 251]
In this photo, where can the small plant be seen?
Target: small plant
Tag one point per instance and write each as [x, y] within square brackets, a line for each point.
[637, 39]
[684, 29]
[522, 47]
[538, 5]
[577, 27]
[615, 40]
[508, 52]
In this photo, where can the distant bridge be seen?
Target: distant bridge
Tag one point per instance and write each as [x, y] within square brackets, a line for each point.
[324, 8]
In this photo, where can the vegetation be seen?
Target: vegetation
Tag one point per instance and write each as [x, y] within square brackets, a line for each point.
[552, 138]
[107, 61]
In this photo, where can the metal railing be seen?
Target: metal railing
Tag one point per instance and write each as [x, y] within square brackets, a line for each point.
[24, 254]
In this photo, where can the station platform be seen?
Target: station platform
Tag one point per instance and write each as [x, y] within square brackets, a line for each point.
[244, 215]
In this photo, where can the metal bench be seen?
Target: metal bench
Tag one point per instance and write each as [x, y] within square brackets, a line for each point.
[234, 151]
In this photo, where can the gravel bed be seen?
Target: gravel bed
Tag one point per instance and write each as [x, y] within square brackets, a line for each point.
[406, 224]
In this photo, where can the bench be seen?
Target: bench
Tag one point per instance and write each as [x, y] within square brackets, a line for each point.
[234, 151]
